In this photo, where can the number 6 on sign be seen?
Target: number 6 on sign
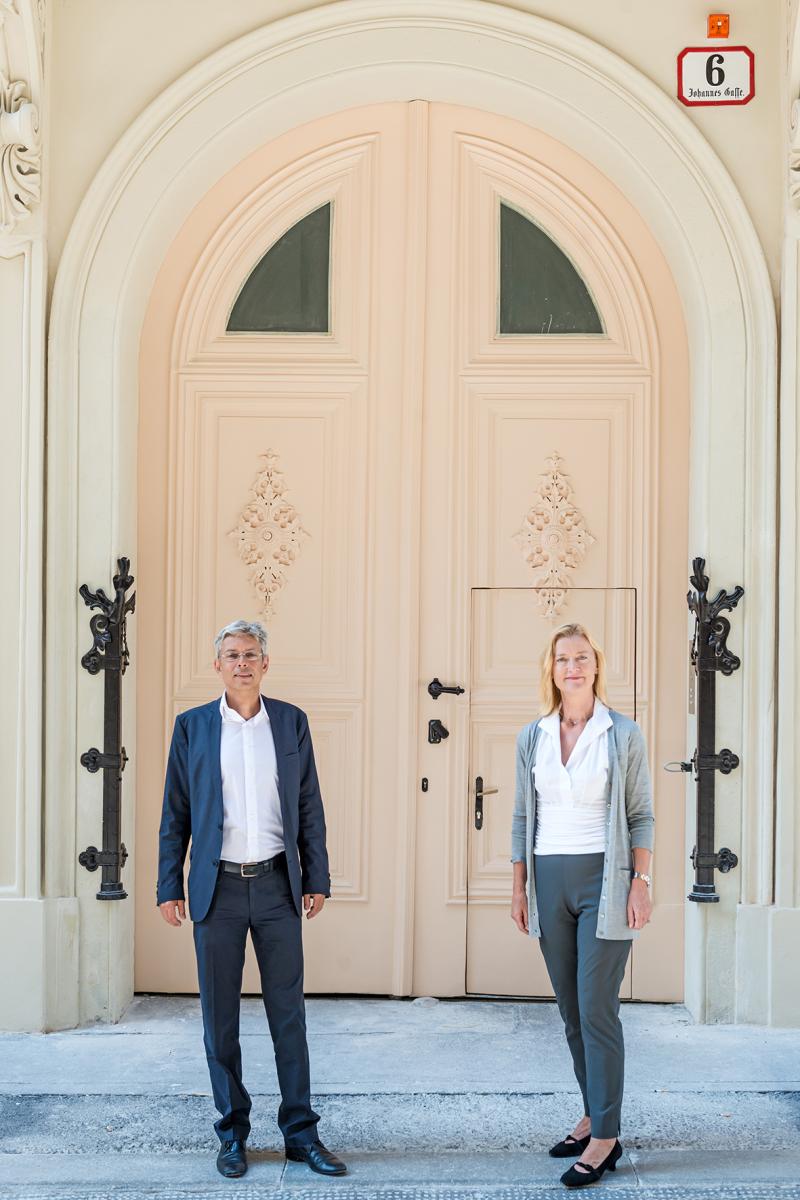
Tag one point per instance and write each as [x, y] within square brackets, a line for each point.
[716, 75]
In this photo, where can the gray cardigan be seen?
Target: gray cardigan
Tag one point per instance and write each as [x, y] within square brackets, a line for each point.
[630, 820]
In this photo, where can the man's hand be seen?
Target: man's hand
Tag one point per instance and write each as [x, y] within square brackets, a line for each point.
[312, 903]
[173, 911]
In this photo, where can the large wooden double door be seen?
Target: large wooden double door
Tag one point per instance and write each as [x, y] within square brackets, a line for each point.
[413, 389]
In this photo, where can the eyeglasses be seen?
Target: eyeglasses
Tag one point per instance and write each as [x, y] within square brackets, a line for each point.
[248, 656]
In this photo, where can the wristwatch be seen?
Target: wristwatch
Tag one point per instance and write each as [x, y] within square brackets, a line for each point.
[641, 875]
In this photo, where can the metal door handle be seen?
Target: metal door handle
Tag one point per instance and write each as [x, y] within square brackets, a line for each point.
[480, 792]
[436, 687]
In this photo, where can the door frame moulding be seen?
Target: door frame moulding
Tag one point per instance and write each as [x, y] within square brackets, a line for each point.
[303, 67]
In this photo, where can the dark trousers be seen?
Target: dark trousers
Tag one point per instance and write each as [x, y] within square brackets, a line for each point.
[586, 973]
[263, 906]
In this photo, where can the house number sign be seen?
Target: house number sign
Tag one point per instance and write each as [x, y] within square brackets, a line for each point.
[716, 75]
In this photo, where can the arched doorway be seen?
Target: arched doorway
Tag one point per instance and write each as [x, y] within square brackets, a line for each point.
[293, 72]
[414, 388]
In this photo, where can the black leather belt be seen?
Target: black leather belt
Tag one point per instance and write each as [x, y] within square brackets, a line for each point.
[253, 870]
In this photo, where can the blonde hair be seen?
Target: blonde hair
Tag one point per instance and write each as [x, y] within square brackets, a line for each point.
[551, 696]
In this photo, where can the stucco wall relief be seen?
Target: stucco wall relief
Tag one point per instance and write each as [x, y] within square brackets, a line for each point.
[20, 142]
[794, 154]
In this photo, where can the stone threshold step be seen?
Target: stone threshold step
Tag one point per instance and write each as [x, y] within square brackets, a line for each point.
[427, 1123]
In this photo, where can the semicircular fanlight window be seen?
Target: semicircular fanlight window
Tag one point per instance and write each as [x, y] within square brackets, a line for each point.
[541, 292]
[288, 291]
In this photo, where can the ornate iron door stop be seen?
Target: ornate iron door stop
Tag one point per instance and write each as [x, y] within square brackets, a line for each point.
[109, 653]
[710, 654]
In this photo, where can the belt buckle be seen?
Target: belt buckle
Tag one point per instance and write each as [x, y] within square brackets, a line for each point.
[248, 874]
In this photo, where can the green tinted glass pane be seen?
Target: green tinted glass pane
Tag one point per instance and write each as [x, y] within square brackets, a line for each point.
[540, 290]
[287, 292]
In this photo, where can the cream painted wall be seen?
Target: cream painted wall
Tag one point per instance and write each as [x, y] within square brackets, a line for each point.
[110, 58]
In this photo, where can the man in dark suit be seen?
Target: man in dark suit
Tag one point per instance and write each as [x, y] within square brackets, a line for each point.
[242, 785]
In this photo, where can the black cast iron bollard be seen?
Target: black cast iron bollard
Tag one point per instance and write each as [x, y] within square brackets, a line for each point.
[109, 653]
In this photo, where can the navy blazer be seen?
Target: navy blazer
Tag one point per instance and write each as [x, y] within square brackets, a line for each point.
[193, 806]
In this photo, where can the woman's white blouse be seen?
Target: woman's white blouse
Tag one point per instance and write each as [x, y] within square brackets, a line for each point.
[571, 808]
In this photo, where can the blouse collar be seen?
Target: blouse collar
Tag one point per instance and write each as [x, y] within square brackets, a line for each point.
[598, 723]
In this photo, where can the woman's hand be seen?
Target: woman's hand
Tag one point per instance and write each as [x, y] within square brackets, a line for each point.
[519, 911]
[640, 906]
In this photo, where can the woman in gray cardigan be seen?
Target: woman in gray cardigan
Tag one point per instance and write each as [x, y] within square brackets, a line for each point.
[582, 842]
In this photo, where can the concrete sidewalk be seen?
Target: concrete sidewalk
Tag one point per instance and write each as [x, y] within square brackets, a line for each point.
[430, 1099]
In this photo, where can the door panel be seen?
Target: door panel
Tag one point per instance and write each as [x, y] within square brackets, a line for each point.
[278, 460]
[550, 461]
[510, 628]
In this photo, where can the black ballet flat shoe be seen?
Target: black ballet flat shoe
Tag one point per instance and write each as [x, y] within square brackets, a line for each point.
[318, 1157]
[570, 1147]
[573, 1178]
[232, 1159]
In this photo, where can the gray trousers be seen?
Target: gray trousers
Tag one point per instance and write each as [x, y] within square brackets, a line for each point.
[586, 973]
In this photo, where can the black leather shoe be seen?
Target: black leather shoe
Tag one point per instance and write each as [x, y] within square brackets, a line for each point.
[232, 1159]
[316, 1156]
[570, 1147]
[573, 1178]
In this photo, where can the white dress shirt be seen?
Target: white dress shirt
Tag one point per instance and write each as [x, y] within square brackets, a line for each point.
[252, 827]
[571, 801]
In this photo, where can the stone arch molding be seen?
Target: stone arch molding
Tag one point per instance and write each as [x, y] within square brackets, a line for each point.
[296, 70]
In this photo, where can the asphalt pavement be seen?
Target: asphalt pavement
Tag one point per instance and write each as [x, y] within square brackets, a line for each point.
[425, 1099]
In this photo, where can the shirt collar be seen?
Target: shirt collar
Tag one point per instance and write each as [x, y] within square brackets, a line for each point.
[230, 714]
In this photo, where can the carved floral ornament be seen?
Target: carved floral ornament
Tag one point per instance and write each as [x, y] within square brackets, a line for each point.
[794, 155]
[20, 143]
[554, 538]
[269, 534]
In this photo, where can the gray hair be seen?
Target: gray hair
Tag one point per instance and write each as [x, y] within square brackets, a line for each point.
[252, 629]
